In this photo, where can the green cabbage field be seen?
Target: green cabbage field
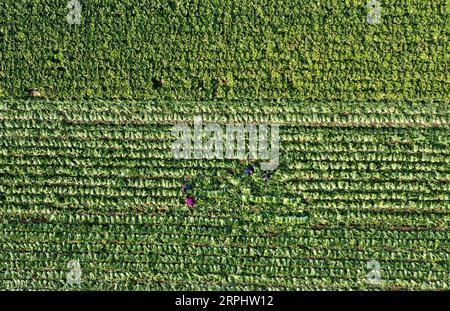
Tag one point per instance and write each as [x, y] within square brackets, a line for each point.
[93, 198]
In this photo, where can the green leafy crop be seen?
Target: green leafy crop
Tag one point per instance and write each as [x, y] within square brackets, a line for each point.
[227, 49]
